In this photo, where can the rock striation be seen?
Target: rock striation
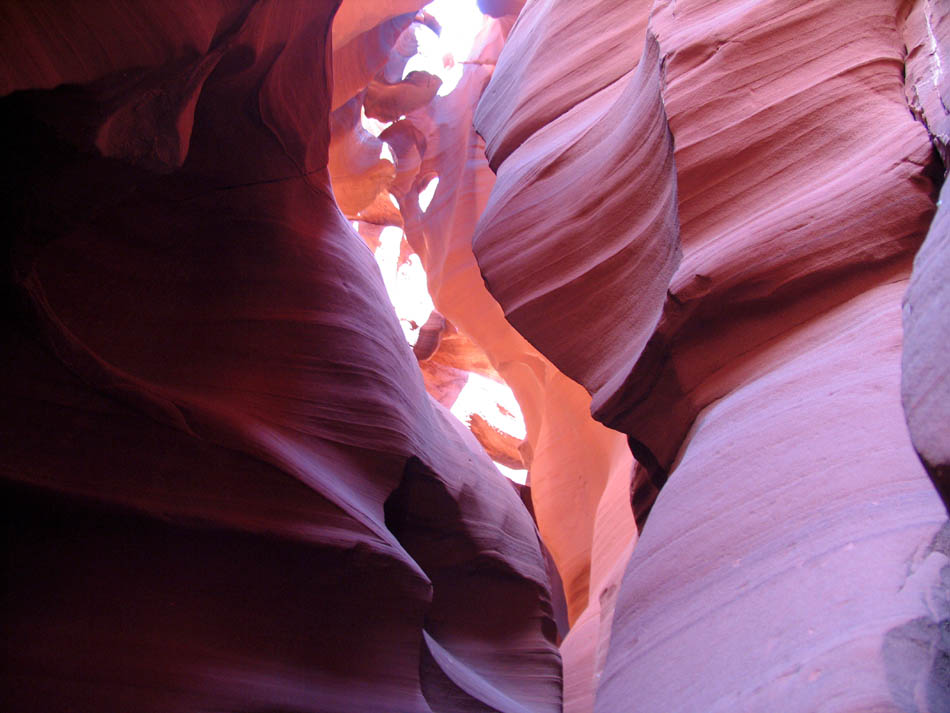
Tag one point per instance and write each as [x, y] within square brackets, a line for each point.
[704, 243]
[226, 487]
[573, 461]
[926, 374]
[758, 376]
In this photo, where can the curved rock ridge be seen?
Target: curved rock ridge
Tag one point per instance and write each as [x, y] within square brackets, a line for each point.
[231, 485]
[361, 17]
[533, 87]
[388, 101]
[850, 195]
[360, 177]
[375, 59]
[357, 63]
[793, 569]
[614, 241]
[572, 460]
[501, 8]
[41, 47]
[926, 30]
[767, 391]
[226, 485]
[926, 373]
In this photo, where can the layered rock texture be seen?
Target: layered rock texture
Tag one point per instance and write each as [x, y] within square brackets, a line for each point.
[226, 487]
[702, 242]
[769, 185]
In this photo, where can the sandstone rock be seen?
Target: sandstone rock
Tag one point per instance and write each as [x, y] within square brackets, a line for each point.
[356, 17]
[231, 485]
[361, 179]
[570, 457]
[430, 336]
[357, 63]
[614, 241]
[926, 355]
[796, 544]
[926, 31]
[534, 85]
[818, 216]
[500, 8]
[221, 469]
[502, 447]
[388, 102]
[764, 396]
[926, 375]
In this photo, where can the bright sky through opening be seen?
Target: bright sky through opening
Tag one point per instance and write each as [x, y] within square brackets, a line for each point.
[443, 55]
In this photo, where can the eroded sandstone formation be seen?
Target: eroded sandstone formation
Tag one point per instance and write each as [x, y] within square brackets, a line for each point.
[574, 461]
[926, 367]
[226, 486]
[796, 557]
[688, 235]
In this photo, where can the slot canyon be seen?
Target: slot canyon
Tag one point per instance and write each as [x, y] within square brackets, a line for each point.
[291, 286]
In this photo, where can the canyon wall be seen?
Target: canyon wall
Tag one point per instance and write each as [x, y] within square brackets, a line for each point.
[925, 368]
[703, 244]
[713, 231]
[225, 485]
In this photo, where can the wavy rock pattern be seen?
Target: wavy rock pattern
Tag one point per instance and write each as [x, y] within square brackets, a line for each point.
[360, 178]
[614, 241]
[818, 215]
[226, 486]
[531, 88]
[567, 453]
[779, 564]
[357, 63]
[926, 30]
[773, 570]
[225, 483]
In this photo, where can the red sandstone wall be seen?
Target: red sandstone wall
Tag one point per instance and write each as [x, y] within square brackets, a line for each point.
[226, 486]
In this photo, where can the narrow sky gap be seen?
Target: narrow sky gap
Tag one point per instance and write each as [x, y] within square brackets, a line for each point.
[443, 55]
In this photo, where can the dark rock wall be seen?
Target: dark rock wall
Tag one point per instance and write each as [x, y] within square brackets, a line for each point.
[226, 486]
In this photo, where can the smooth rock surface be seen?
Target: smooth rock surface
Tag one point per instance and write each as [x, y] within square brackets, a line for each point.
[926, 357]
[795, 557]
[679, 230]
[926, 366]
[226, 485]
[826, 178]
[570, 457]
[615, 241]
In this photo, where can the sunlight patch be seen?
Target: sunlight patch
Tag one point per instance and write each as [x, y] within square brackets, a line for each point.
[443, 55]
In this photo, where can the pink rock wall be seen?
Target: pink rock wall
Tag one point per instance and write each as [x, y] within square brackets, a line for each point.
[794, 558]
[677, 229]
[926, 373]
[926, 370]
[565, 450]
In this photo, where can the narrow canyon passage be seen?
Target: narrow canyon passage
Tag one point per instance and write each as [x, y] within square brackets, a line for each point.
[504, 356]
